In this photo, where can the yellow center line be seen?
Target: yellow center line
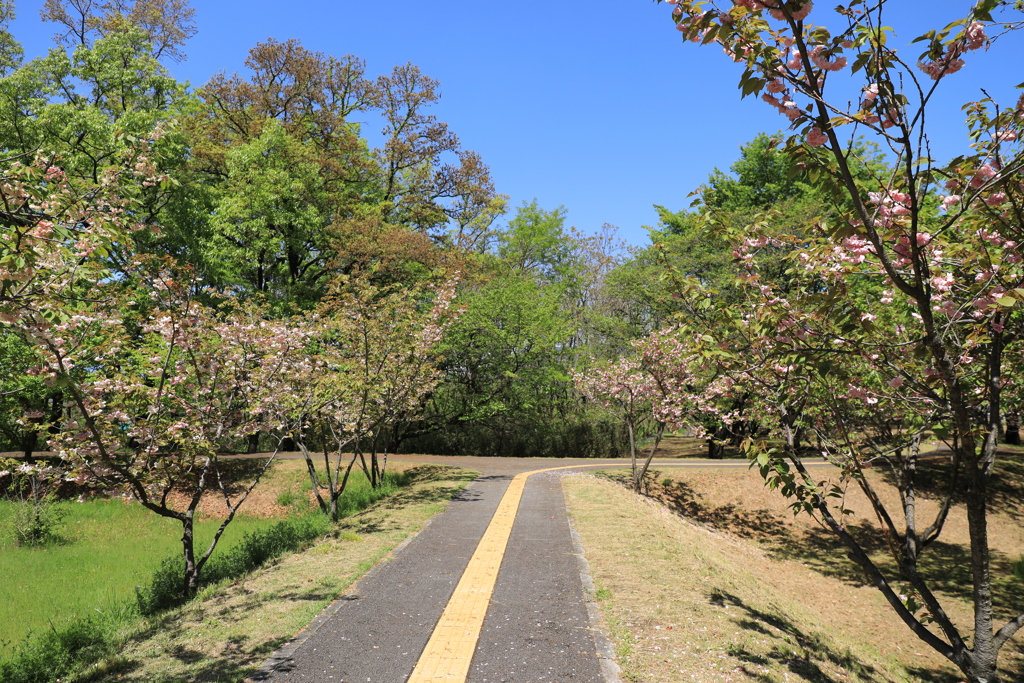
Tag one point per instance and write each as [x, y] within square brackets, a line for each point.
[449, 652]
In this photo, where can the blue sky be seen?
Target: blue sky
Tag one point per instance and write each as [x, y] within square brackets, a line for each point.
[597, 106]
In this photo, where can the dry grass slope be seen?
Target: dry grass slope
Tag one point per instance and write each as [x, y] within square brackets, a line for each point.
[739, 590]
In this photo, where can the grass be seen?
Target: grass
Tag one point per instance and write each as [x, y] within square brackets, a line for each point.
[686, 603]
[107, 622]
[719, 554]
[109, 547]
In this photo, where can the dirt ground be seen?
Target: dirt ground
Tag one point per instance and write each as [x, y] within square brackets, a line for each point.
[286, 475]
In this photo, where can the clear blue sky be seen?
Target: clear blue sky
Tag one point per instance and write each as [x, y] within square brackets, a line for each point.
[597, 106]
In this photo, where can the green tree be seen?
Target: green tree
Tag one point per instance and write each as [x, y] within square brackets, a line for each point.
[870, 376]
[11, 52]
[529, 321]
[295, 195]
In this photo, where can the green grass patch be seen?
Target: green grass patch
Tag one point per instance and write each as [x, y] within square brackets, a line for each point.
[78, 600]
[108, 548]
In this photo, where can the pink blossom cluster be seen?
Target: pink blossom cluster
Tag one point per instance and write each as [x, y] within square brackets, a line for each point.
[786, 107]
[820, 57]
[871, 111]
[972, 38]
[984, 173]
[891, 206]
[856, 249]
[778, 9]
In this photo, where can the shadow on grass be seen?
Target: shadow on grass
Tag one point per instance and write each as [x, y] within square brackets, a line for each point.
[803, 653]
[753, 524]
[205, 670]
[1005, 487]
[945, 566]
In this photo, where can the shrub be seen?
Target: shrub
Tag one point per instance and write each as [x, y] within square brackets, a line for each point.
[256, 548]
[37, 516]
[52, 655]
[36, 522]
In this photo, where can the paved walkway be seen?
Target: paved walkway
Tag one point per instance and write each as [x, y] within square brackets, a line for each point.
[490, 591]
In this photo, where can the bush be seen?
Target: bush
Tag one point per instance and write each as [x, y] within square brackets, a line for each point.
[37, 516]
[35, 522]
[165, 589]
[53, 654]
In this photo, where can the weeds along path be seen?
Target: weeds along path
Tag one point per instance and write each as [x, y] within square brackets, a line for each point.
[493, 589]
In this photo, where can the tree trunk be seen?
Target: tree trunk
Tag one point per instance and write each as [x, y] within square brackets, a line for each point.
[982, 666]
[191, 578]
[29, 441]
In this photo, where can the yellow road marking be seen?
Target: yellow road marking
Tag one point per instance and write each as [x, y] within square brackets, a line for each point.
[449, 652]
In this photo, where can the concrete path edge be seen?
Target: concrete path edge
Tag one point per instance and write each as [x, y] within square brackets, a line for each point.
[602, 639]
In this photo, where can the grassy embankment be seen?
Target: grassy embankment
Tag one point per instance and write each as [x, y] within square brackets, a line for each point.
[713, 579]
[256, 612]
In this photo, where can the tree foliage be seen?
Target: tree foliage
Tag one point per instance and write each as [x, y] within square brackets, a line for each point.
[892, 317]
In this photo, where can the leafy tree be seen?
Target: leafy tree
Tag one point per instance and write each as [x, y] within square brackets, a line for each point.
[763, 186]
[373, 364]
[870, 376]
[10, 50]
[166, 24]
[761, 178]
[153, 414]
[531, 316]
[296, 194]
[504, 365]
[88, 109]
[152, 386]
[535, 243]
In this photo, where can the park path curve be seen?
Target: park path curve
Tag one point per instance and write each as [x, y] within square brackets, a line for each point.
[494, 589]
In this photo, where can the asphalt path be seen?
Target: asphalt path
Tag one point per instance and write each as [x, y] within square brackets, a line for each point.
[537, 627]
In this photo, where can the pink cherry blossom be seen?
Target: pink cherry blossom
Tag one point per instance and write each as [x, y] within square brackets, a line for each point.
[816, 138]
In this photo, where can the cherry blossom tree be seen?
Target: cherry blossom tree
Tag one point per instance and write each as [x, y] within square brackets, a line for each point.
[622, 389]
[664, 383]
[904, 313]
[158, 388]
[153, 383]
[374, 363]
